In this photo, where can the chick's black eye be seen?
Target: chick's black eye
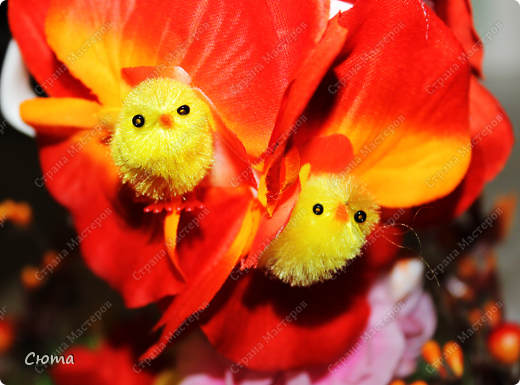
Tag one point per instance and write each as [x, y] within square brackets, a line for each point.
[317, 209]
[360, 216]
[138, 120]
[183, 110]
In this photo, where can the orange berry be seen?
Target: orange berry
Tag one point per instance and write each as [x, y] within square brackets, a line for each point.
[18, 213]
[454, 358]
[493, 313]
[398, 382]
[29, 279]
[6, 335]
[431, 352]
[48, 257]
[419, 383]
[474, 315]
[504, 343]
[467, 268]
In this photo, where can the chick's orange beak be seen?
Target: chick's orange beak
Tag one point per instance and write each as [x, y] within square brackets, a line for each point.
[166, 120]
[342, 213]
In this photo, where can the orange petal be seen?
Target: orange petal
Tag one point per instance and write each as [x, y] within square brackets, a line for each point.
[171, 224]
[303, 85]
[232, 166]
[290, 168]
[128, 250]
[60, 117]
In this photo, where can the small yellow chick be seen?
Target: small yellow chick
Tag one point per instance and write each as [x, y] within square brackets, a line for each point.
[163, 142]
[328, 226]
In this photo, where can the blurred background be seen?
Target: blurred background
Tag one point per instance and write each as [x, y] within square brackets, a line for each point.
[63, 302]
[45, 311]
[502, 78]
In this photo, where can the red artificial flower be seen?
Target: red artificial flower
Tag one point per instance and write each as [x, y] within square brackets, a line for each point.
[357, 91]
[76, 51]
[381, 68]
[492, 135]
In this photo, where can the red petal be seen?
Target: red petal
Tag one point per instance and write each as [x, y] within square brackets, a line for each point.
[209, 247]
[27, 23]
[250, 305]
[270, 226]
[273, 326]
[247, 72]
[119, 242]
[328, 154]
[106, 365]
[303, 85]
[457, 15]
[306, 80]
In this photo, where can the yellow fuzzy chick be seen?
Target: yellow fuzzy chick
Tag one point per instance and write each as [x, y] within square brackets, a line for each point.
[163, 141]
[328, 226]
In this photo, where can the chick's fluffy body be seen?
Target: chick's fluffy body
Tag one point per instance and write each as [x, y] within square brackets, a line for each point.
[311, 248]
[162, 162]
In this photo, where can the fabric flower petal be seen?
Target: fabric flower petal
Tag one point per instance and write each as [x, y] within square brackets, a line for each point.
[209, 246]
[491, 144]
[107, 365]
[457, 15]
[264, 324]
[270, 226]
[27, 24]
[244, 71]
[299, 92]
[381, 94]
[60, 117]
[327, 154]
[120, 243]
